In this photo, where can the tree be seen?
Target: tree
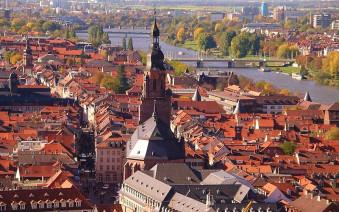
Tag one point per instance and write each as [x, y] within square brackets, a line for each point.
[105, 38]
[181, 35]
[225, 42]
[239, 46]
[254, 41]
[124, 45]
[98, 77]
[332, 134]
[51, 26]
[288, 147]
[97, 36]
[218, 27]
[206, 41]
[130, 44]
[122, 80]
[179, 67]
[283, 50]
[109, 82]
[197, 33]
[331, 63]
[287, 51]
[15, 58]
[285, 92]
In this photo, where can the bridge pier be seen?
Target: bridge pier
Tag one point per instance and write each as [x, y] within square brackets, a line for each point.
[262, 63]
[230, 64]
[200, 64]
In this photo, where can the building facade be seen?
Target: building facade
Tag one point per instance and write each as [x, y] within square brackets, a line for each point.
[322, 20]
[264, 9]
[109, 162]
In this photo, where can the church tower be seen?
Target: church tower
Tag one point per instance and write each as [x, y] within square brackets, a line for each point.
[155, 83]
[27, 56]
[153, 141]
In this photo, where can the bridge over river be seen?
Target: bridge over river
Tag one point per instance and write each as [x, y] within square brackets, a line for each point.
[210, 62]
[125, 31]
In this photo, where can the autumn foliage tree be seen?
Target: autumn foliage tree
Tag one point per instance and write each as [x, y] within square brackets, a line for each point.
[181, 35]
[197, 33]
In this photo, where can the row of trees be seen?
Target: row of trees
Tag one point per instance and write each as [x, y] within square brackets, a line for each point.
[325, 70]
[118, 84]
[22, 25]
[129, 45]
[97, 36]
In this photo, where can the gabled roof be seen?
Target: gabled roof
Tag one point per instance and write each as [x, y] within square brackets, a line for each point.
[148, 186]
[154, 140]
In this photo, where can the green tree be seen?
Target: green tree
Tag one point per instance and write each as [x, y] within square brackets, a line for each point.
[254, 42]
[239, 46]
[105, 38]
[109, 82]
[97, 36]
[288, 147]
[225, 42]
[123, 85]
[332, 134]
[50, 26]
[206, 41]
[130, 44]
[124, 45]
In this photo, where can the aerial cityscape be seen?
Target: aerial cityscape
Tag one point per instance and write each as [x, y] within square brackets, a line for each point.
[168, 105]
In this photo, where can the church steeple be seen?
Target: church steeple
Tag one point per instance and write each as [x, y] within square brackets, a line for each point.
[155, 83]
[27, 55]
[155, 31]
[155, 58]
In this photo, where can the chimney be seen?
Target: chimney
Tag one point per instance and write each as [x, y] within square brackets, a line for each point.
[257, 127]
[297, 158]
[318, 198]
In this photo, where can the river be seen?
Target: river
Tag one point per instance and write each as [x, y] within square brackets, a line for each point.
[318, 93]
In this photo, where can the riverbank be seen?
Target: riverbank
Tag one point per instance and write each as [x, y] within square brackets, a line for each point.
[279, 67]
[279, 80]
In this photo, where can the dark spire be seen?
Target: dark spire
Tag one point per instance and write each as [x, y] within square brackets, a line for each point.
[307, 97]
[196, 97]
[156, 56]
[156, 31]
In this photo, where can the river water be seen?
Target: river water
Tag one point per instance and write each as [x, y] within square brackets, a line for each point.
[318, 93]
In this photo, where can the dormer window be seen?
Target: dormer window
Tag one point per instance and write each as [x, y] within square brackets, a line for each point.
[70, 203]
[41, 204]
[63, 203]
[34, 204]
[77, 202]
[56, 203]
[22, 205]
[14, 206]
[48, 204]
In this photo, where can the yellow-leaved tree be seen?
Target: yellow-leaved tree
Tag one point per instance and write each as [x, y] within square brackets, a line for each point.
[331, 63]
[197, 32]
[181, 34]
